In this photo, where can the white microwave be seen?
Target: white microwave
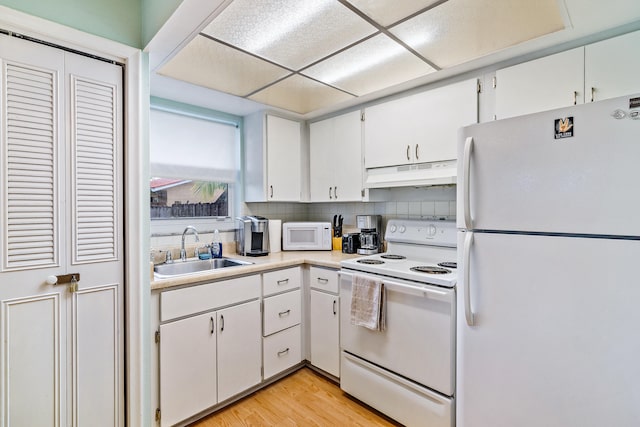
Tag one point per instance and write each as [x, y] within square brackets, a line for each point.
[306, 236]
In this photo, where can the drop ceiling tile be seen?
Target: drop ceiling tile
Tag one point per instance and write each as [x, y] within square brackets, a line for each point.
[300, 94]
[374, 64]
[289, 32]
[386, 12]
[211, 64]
[461, 30]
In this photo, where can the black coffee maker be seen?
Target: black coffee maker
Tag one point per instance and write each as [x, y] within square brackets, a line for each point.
[370, 233]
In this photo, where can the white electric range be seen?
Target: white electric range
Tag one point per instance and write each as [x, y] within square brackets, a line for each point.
[406, 371]
[417, 250]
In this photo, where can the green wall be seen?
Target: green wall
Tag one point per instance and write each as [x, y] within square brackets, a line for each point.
[119, 20]
[154, 14]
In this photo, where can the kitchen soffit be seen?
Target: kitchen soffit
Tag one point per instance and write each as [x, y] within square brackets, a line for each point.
[305, 55]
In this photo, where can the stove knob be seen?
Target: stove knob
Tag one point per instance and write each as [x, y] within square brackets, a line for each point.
[402, 229]
[431, 231]
[393, 228]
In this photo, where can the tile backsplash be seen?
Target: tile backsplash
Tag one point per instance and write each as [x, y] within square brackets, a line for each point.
[414, 203]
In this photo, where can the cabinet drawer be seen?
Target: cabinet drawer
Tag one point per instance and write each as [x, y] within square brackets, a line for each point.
[280, 280]
[199, 298]
[282, 351]
[323, 279]
[281, 311]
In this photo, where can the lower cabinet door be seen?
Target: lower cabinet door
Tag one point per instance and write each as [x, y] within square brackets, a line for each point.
[187, 367]
[282, 350]
[325, 332]
[239, 331]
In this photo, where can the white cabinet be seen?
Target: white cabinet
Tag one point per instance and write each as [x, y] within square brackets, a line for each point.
[554, 81]
[611, 67]
[273, 164]
[239, 360]
[282, 314]
[419, 128]
[336, 159]
[188, 367]
[206, 358]
[590, 73]
[325, 320]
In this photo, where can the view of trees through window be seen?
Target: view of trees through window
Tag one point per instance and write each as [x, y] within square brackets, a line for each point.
[180, 198]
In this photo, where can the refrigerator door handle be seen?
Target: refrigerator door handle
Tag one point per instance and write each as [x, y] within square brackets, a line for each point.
[466, 162]
[468, 314]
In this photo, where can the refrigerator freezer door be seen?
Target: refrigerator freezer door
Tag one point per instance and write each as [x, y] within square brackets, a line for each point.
[555, 340]
[521, 178]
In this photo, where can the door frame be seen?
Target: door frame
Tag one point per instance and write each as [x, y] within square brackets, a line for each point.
[136, 202]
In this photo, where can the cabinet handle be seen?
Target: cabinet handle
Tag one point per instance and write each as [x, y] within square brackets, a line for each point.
[282, 282]
[335, 192]
[323, 280]
[575, 97]
[593, 89]
[330, 193]
[213, 330]
[284, 313]
[283, 352]
[334, 308]
[271, 189]
[408, 148]
[417, 156]
[221, 323]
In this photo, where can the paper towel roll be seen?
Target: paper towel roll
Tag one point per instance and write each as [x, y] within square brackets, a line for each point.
[275, 235]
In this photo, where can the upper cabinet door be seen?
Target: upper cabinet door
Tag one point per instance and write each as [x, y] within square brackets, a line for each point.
[443, 112]
[323, 154]
[554, 81]
[420, 128]
[611, 67]
[272, 158]
[391, 130]
[336, 159]
[347, 157]
[283, 159]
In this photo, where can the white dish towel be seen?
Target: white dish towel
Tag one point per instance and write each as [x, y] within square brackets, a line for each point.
[368, 303]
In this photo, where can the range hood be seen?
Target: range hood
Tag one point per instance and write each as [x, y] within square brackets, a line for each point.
[412, 175]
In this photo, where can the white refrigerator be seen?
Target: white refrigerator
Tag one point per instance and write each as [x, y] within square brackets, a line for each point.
[548, 294]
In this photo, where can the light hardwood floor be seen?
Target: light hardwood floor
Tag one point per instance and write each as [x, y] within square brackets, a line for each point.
[304, 398]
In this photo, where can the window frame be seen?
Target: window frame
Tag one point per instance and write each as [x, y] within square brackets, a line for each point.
[175, 225]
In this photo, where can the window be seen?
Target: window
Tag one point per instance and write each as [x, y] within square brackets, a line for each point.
[194, 162]
[180, 198]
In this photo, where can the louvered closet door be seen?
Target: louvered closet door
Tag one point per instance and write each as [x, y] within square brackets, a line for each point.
[61, 353]
[33, 342]
[94, 224]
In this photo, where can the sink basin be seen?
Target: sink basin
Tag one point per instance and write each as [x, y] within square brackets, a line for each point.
[179, 268]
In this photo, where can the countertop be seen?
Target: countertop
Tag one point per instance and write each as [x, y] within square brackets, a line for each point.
[272, 261]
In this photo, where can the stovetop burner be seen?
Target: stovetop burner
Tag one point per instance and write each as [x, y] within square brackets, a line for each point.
[448, 264]
[429, 269]
[392, 256]
[370, 261]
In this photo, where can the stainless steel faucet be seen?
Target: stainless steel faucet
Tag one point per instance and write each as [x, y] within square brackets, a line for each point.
[183, 252]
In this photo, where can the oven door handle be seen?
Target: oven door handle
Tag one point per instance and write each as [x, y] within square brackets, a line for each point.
[417, 291]
[420, 291]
